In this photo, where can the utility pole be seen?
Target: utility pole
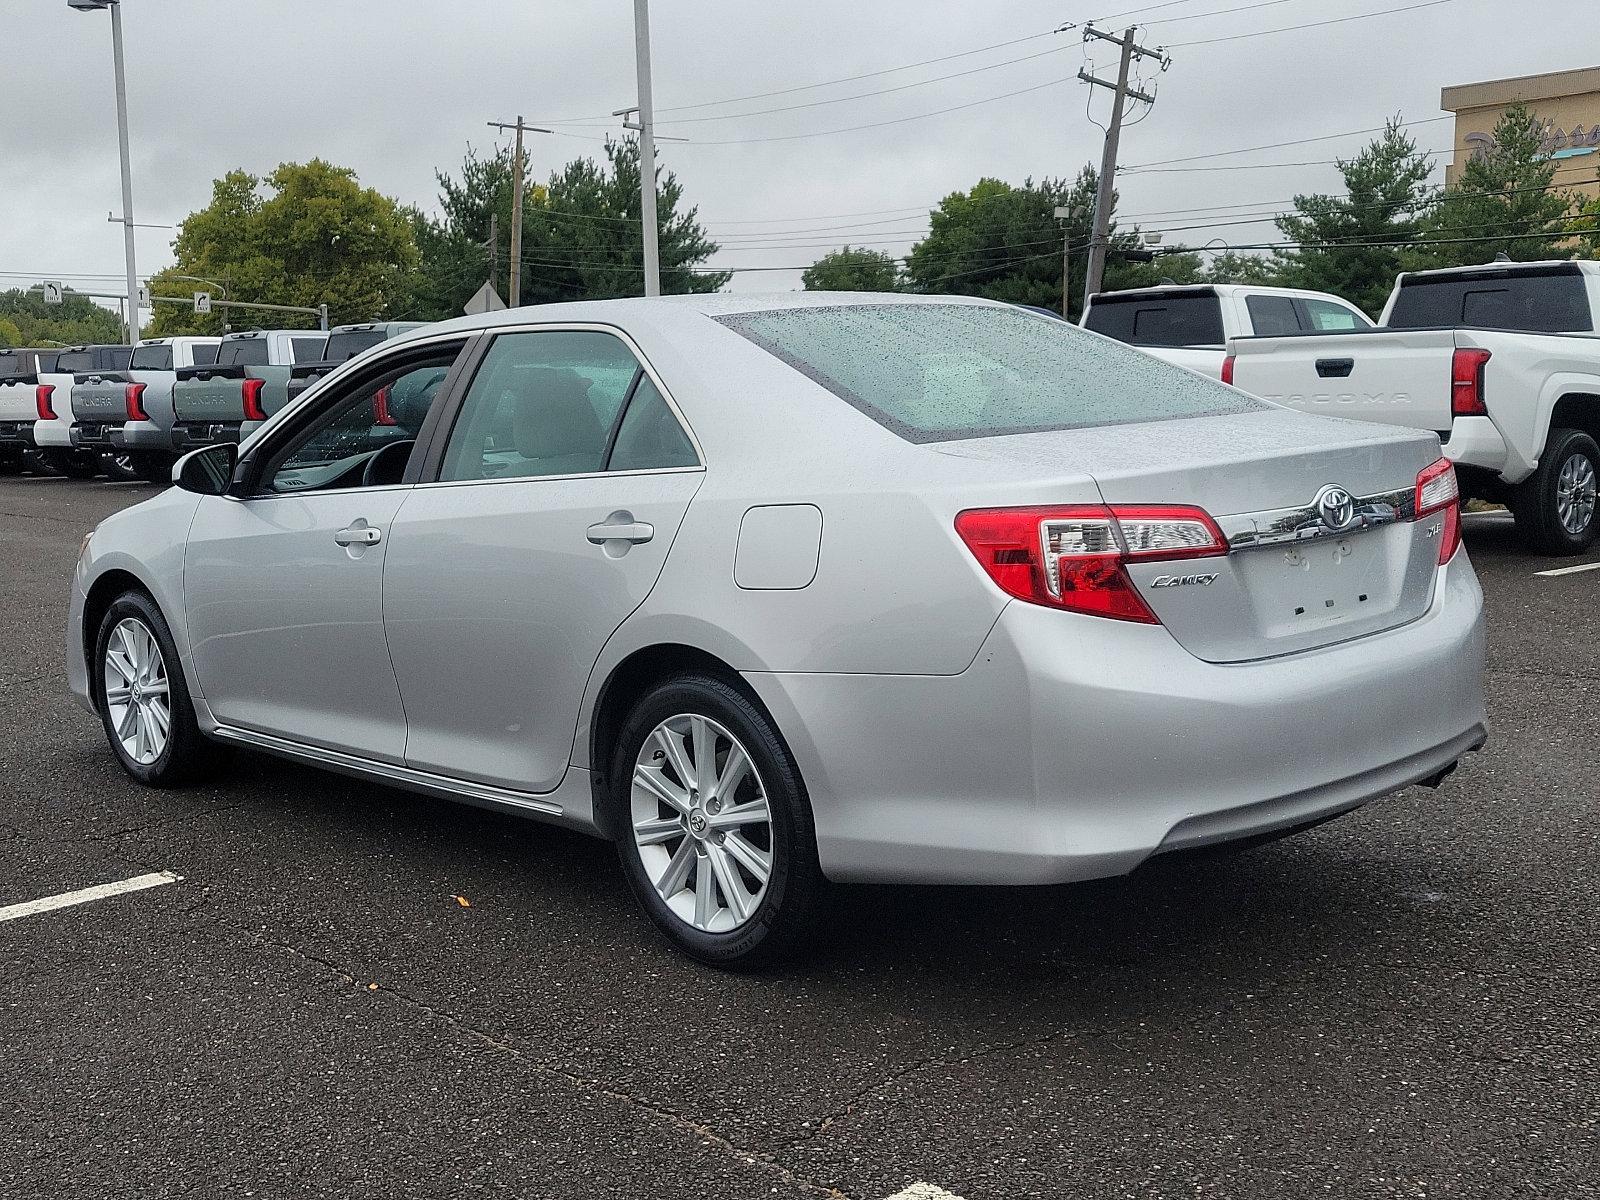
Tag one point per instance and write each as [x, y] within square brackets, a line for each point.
[1067, 215]
[494, 249]
[515, 284]
[1105, 195]
[647, 149]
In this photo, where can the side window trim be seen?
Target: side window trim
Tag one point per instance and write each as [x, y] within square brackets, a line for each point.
[622, 413]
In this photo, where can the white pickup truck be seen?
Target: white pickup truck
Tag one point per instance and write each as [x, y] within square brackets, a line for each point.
[1501, 361]
[1191, 324]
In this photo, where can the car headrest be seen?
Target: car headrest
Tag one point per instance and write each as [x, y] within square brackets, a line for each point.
[411, 396]
[552, 415]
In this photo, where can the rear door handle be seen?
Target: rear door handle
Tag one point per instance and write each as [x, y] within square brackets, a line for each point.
[359, 535]
[621, 527]
[1335, 368]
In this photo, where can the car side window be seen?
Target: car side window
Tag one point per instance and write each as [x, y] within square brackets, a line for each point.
[377, 418]
[541, 404]
[1272, 316]
[1326, 315]
[650, 438]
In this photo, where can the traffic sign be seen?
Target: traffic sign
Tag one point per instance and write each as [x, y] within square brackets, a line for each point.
[202, 302]
[52, 292]
[144, 295]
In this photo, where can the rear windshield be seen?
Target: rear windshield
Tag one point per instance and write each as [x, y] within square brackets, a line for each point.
[1173, 320]
[11, 364]
[73, 361]
[307, 349]
[940, 372]
[243, 352]
[204, 354]
[152, 358]
[117, 358]
[347, 345]
[1539, 300]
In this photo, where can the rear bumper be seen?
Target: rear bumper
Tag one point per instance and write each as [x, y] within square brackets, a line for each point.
[52, 435]
[16, 433]
[1475, 442]
[1076, 747]
[141, 435]
[191, 435]
[91, 436]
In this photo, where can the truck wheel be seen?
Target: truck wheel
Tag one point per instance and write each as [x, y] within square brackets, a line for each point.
[74, 464]
[153, 466]
[120, 467]
[10, 461]
[1555, 506]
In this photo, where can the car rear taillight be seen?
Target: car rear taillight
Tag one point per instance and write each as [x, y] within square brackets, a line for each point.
[41, 401]
[1075, 557]
[251, 390]
[1227, 370]
[380, 408]
[1438, 492]
[134, 398]
[1466, 383]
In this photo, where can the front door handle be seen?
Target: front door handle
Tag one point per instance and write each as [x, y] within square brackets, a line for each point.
[359, 535]
[621, 527]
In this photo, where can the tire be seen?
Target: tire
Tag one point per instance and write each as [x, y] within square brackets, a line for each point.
[120, 467]
[1556, 507]
[153, 467]
[694, 857]
[11, 462]
[130, 627]
[74, 464]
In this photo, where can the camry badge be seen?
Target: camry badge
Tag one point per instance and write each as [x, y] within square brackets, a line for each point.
[1335, 506]
[1166, 581]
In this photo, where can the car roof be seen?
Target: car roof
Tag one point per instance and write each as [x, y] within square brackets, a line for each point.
[1572, 265]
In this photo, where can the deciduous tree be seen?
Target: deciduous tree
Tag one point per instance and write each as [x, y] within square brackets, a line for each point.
[852, 270]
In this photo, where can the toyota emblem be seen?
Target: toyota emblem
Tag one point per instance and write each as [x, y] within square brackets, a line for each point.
[1335, 506]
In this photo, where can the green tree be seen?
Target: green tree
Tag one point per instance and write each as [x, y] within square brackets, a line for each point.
[1386, 189]
[10, 335]
[76, 321]
[581, 236]
[1238, 266]
[852, 270]
[315, 236]
[1506, 196]
[1004, 242]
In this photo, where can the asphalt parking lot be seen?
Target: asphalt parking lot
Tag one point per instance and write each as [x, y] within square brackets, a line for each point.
[1405, 1002]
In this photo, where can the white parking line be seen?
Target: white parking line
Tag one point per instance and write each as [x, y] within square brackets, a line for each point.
[67, 899]
[924, 1191]
[1594, 566]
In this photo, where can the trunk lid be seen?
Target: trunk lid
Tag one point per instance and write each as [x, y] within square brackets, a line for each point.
[1394, 377]
[1289, 582]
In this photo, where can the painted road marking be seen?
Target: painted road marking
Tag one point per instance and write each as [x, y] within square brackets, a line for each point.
[924, 1191]
[84, 895]
[1594, 566]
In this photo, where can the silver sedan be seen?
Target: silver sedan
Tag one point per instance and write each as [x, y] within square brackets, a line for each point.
[773, 591]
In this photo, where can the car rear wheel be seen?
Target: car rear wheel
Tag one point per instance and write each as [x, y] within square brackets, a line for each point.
[143, 700]
[1556, 507]
[714, 828]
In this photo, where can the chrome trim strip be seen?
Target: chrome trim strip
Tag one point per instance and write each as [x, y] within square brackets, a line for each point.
[1272, 527]
[404, 777]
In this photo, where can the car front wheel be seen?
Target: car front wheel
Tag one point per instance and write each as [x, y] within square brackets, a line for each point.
[714, 828]
[144, 702]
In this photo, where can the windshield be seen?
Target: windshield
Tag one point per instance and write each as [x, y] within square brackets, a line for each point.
[1529, 300]
[347, 345]
[939, 372]
[153, 358]
[243, 352]
[1175, 319]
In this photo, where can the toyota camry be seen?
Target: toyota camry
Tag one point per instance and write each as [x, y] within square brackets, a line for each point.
[773, 591]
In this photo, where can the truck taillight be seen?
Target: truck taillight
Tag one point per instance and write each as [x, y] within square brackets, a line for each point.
[380, 408]
[41, 401]
[1075, 557]
[1466, 382]
[134, 398]
[251, 390]
[1227, 370]
[1438, 492]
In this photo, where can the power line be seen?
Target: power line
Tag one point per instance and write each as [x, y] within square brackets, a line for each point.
[1219, 12]
[1385, 12]
[1327, 137]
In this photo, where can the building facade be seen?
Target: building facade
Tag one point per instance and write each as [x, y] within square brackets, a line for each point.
[1566, 105]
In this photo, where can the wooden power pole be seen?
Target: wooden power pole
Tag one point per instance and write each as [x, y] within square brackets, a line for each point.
[517, 171]
[1105, 195]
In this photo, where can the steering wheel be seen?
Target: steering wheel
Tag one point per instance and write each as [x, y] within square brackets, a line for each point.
[387, 464]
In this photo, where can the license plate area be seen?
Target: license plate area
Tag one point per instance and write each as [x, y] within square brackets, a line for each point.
[1327, 581]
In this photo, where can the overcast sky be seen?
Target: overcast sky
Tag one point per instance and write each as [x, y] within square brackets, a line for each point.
[397, 88]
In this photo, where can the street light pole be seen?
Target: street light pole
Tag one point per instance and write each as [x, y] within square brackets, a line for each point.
[647, 150]
[122, 138]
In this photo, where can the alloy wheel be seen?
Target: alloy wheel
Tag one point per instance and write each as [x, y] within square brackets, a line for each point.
[137, 691]
[1575, 494]
[701, 823]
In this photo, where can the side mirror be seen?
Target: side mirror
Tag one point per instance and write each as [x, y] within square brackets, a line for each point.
[208, 470]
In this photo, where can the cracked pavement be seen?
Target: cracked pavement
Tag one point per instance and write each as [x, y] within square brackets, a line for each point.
[1403, 1003]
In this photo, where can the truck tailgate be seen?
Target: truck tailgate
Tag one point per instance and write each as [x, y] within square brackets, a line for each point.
[100, 398]
[209, 394]
[1394, 377]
